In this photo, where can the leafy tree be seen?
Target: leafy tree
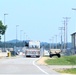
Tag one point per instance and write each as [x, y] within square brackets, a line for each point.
[2, 29]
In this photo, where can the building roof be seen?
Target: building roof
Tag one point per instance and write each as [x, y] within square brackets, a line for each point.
[73, 33]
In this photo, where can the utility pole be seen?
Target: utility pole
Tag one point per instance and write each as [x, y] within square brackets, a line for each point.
[56, 41]
[64, 34]
[61, 28]
[52, 42]
[66, 29]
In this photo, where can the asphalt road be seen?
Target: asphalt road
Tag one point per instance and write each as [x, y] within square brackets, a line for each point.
[23, 66]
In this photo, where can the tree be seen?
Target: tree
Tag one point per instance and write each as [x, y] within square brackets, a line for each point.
[2, 29]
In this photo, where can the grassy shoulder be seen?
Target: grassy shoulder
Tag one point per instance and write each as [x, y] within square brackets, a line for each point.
[71, 71]
[66, 60]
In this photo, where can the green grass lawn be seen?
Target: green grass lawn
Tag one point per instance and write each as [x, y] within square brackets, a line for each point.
[66, 60]
[70, 71]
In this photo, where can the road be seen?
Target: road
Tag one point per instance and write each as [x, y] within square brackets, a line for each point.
[23, 66]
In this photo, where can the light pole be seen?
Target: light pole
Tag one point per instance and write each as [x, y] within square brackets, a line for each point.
[21, 35]
[61, 28]
[16, 34]
[4, 34]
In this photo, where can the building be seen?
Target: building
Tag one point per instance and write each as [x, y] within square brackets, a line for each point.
[74, 41]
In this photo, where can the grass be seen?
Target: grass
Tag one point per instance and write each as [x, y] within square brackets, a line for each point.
[70, 71]
[66, 60]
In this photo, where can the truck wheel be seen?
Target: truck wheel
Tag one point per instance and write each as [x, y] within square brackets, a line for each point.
[59, 55]
[50, 56]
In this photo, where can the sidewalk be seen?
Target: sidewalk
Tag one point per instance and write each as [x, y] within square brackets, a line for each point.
[61, 66]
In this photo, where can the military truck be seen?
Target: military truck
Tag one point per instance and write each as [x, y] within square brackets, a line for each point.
[33, 49]
[55, 52]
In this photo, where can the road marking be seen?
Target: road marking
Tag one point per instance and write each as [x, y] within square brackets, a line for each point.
[39, 67]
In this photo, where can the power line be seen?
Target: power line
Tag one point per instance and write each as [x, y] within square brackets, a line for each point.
[66, 29]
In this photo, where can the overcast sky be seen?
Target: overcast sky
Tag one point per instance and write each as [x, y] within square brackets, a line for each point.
[39, 19]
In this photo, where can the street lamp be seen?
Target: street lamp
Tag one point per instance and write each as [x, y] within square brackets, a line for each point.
[4, 34]
[16, 34]
[21, 35]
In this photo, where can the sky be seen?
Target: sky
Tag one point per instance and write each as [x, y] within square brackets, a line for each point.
[37, 19]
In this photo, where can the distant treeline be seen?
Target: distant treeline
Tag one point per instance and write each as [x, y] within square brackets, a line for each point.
[23, 44]
[11, 45]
